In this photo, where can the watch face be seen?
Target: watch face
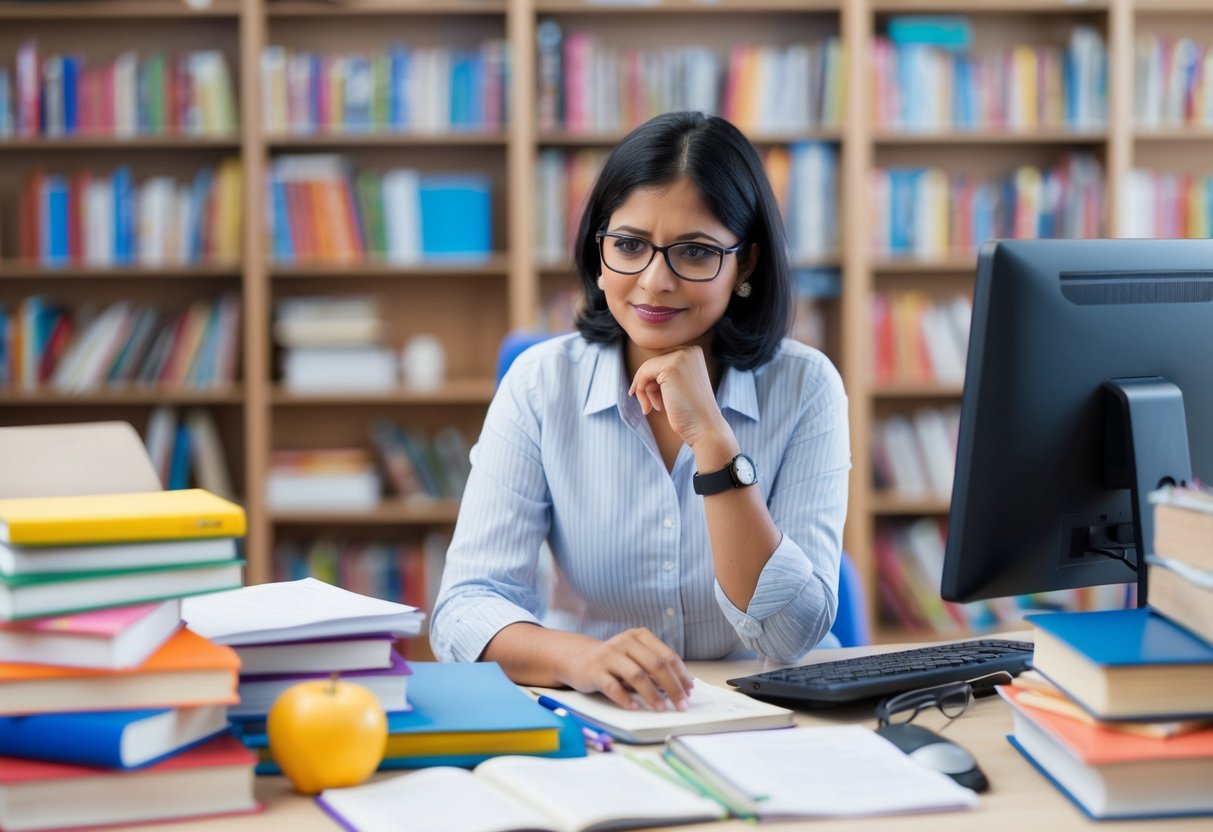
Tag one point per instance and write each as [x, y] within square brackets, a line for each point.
[744, 470]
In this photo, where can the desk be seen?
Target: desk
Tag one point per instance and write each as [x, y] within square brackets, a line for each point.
[1019, 799]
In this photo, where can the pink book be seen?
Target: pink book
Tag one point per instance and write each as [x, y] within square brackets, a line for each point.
[107, 639]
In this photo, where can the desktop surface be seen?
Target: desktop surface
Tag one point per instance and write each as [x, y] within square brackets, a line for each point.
[1018, 798]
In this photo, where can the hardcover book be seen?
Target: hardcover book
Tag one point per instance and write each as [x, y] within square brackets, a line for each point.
[108, 639]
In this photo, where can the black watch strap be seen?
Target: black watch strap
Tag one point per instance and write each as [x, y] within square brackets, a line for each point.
[727, 477]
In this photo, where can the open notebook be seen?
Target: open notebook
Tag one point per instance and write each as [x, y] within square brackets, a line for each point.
[711, 709]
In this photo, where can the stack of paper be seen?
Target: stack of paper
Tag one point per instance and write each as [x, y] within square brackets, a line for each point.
[292, 631]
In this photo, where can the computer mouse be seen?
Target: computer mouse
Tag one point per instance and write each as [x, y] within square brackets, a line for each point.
[929, 749]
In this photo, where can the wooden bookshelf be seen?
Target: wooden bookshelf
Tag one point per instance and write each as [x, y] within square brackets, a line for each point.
[470, 306]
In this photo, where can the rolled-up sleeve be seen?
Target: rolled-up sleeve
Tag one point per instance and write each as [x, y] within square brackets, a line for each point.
[490, 577]
[796, 598]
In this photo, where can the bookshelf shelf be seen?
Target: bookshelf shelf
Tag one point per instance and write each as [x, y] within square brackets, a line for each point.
[990, 6]
[697, 6]
[13, 270]
[121, 143]
[143, 9]
[1173, 134]
[909, 266]
[91, 398]
[496, 266]
[916, 390]
[377, 8]
[893, 505]
[470, 391]
[389, 512]
[342, 139]
[962, 137]
[608, 140]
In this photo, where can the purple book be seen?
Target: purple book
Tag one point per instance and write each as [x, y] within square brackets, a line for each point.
[335, 654]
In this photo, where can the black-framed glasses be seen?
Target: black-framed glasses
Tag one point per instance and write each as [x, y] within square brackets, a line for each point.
[696, 262]
[951, 698]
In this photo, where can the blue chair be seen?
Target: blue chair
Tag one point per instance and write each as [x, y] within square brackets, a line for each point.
[851, 623]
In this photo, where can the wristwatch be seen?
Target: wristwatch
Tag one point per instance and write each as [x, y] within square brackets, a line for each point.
[739, 473]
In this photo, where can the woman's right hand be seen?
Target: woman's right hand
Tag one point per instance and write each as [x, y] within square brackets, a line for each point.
[632, 661]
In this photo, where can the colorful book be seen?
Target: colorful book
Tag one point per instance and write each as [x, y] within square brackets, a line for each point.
[388, 684]
[1110, 774]
[462, 713]
[110, 739]
[186, 670]
[32, 560]
[103, 518]
[109, 639]
[32, 596]
[1125, 664]
[212, 779]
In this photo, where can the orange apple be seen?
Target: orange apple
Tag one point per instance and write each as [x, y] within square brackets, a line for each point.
[326, 734]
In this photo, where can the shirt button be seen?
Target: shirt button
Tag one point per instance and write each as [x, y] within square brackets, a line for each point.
[668, 566]
[668, 523]
[669, 612]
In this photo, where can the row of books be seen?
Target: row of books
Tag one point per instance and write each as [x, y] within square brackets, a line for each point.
[587, 85]
[436, 89]
[816, 292]
[62, 95]
[913, 455]
[187, 451]
[563, 180]
[1173, 82]
[44, 343]
[335, 343]
[107, 220]
[1170, 205]
[407, 570]
[919, 338]
[931, 212]
[90, 594]
[922, 87]
[322, 211]
[909, 559]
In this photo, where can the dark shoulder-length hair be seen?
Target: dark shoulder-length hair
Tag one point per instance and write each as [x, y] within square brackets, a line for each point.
[721, 162]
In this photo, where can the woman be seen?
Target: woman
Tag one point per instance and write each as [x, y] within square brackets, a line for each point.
[686, 463]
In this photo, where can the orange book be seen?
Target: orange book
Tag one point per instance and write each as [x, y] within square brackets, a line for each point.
[186, 670]
[318, 221]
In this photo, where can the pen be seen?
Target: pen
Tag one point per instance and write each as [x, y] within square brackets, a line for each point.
[600, 739]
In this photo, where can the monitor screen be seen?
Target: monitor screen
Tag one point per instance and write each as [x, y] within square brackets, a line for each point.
[1041, 499]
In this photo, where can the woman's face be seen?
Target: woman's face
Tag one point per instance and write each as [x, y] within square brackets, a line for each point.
[659, 311]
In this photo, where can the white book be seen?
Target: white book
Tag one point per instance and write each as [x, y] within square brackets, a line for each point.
[126, 94]
[711, 709]
[365, 369]
[106, 639]
[293, 611]
[904, 456]
[817, 772]
[939, 456]
[513, 793]
[38, 560]
[402, 213]
[298, 491]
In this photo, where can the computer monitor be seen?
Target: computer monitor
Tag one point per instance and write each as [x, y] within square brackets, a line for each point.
[1089, 383]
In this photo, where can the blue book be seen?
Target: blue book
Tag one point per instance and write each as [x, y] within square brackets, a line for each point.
[456, 217]
[124, 216]
[179, 465]
[284, 251]
[55, 192]
[1126, 664]
[359, 88]
[473, 703]
[71, 97]
[950, 32]
[110, 739]
[399, 113]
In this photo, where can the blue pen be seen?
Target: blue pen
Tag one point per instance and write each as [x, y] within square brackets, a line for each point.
[599, 738]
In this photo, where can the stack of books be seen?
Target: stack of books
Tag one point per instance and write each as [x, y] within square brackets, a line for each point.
[295, 631]
[1180, 570]
[90, 597]
[1118, 713]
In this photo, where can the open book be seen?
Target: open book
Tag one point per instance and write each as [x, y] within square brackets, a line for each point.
[833, 771]
[504, 794]
[711, 709]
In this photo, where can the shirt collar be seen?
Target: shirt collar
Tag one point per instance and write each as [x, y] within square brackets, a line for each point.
[606, 386]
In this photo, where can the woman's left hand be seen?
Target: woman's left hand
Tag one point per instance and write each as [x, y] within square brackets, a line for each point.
[678, 385]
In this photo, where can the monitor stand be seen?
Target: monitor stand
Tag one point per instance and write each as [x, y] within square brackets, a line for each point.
[1146, 444]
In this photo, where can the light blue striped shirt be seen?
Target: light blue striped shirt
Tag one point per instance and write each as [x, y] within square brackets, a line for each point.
[566, 455]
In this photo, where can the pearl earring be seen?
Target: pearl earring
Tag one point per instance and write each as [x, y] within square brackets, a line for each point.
[601, 288]
[743, 289]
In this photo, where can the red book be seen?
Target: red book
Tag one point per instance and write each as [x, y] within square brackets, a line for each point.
[29, 216]
[215, 778]
[77, 187]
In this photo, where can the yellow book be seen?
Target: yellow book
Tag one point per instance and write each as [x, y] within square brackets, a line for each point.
[111, 518]
[1023, 59]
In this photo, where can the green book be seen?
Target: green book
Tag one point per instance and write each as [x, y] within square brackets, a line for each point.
[153, 91]
[381, 83]
[369, 194]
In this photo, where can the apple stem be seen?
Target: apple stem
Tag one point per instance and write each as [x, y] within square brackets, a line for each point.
[333, 683]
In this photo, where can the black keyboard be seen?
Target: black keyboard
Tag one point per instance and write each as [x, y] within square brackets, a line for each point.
[846, 680]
